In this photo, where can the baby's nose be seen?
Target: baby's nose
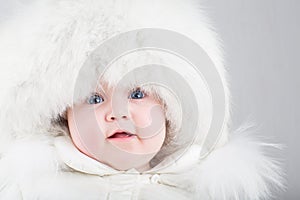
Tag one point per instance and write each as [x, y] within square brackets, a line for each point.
[116, 108]
[113, 116]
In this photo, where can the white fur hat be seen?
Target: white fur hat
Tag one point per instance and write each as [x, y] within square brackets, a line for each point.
[46, 45]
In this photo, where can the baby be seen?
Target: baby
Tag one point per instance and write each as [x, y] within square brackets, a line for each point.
[67, 132]
[116, 128]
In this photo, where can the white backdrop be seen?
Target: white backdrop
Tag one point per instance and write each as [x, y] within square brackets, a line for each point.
[261, 40]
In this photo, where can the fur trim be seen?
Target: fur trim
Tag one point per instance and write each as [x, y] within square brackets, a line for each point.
[240, 170]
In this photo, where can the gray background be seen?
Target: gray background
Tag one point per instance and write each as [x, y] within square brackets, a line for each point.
[261, 40]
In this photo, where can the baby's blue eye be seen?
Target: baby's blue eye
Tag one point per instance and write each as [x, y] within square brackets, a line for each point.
[95, 99]
[137, 94]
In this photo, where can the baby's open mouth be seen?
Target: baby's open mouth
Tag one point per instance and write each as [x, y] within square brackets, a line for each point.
[121, 135]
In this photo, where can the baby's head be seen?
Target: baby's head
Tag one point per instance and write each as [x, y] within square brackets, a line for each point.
[122, 126]
[130, 115]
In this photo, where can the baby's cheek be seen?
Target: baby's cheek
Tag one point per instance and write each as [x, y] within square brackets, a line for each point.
[147, 116]
[141, 115]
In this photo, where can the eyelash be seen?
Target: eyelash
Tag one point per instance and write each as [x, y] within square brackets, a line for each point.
[89, 101]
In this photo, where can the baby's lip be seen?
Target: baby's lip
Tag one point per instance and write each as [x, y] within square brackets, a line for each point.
[111, 135]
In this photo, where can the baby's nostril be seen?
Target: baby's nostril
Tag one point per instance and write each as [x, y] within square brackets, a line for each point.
[112, 118]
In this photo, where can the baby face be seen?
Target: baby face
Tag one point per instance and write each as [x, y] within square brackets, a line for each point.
[123, 128]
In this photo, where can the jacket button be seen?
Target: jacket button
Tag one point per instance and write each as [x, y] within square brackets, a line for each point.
[155, 178]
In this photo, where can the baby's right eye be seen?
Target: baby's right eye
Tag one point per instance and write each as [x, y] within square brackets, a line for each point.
[95, 99]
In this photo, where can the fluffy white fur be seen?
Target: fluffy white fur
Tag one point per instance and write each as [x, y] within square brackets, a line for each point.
[44, 46]
[33, 169]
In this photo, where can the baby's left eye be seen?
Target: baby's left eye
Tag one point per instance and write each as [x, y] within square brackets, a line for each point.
[137, 94]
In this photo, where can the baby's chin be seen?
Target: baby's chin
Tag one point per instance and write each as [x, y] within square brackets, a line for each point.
[134, 146]
[123, 160]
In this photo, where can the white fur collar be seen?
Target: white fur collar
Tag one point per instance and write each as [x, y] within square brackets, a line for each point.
[76, 160]
[242, 169]
[239, 170]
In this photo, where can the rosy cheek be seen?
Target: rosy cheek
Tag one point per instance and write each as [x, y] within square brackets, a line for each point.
[85, 129]
[141, 115]
[146, 114]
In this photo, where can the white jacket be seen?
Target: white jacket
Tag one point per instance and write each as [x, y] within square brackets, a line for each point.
[44, 46]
